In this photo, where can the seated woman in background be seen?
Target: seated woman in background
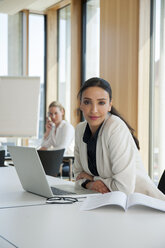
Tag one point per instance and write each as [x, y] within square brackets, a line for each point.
[106, 150]
[59, 133]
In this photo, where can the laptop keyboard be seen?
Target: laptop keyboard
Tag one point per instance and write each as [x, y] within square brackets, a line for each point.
[57, 191]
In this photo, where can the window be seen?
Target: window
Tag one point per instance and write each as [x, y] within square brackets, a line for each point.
[13, 56]
[64, 59]
[3, 44]
[91, 39]
[37, 59]
[11, 45]
[157, 101]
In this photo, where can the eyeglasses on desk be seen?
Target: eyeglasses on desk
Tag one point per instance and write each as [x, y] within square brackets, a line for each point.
[61, 200]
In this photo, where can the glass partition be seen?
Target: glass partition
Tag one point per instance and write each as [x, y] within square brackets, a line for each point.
[13, 57]
[91, 39]
[64, 58]
[37, 60]
[11, 45]
[157, 96]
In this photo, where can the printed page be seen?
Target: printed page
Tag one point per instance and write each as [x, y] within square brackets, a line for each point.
[112, 198]
[144, 200]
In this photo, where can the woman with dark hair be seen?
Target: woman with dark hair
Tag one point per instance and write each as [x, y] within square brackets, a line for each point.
[106, 150]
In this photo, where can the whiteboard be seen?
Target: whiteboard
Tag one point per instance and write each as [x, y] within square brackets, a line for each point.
[19, 106]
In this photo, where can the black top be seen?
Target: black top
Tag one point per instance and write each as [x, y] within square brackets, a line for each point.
[91, 142]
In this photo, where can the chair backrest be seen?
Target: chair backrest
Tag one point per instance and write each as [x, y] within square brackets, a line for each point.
[161, 185]
[2, 157]
[51, 160]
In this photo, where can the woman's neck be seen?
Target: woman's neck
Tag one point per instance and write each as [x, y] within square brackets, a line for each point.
[58, 124]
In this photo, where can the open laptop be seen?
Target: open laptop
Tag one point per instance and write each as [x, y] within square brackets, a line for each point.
[33, 178]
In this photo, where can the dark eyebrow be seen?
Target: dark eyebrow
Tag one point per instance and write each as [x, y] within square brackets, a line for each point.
[102, 99]
[87, 98]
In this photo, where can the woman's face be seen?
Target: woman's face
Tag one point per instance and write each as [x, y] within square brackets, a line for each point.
[56, 115]
[95, 104]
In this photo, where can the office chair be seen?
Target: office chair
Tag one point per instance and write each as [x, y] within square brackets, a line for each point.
[51, 161]
[161, 184]
[2, 157]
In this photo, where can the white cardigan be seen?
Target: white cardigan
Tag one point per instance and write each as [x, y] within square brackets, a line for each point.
[118, 160]
[62, 138]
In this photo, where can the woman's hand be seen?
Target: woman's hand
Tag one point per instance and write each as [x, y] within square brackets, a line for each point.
[98, 186]
[48, 125]
[83, 175]
[48, 128]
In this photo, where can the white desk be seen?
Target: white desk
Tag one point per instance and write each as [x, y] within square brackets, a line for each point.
[65, 226]
[12, 193]
[5, 243]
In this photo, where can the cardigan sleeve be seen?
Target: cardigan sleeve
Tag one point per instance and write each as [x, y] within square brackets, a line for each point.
[77, 167]
[122, 157]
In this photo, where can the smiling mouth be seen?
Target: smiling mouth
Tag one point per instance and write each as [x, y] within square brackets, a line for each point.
[94, 117]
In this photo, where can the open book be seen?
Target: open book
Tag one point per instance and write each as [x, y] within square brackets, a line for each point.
[122, 200]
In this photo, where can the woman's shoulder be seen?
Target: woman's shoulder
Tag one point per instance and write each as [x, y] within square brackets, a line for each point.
[81, 125]
[113, 119]
[114, 122]
[80, 128]
[66, 124]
